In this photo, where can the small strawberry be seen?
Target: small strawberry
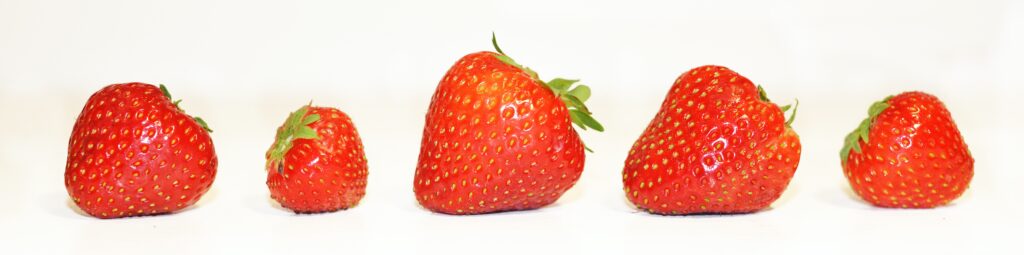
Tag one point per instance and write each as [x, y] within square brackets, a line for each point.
[908, 153]
[718, 145]
[134, 152]
[497, 138]
[317, 162]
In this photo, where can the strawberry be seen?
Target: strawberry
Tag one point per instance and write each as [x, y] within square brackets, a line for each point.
[497, 138]
[717, 146]
[908, 153]
[134, 152]
[317, 162]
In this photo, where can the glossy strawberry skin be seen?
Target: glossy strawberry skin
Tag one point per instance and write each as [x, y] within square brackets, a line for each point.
[495, 140]
[325, 174]
[915, 156]
[132, 152]
[713, 148]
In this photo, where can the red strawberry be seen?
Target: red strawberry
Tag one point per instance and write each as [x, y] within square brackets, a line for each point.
[716, 146]
[134, 152]
[317, 163]
[497, 138]
[908, 153]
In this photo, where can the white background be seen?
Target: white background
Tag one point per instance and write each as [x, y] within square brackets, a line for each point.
[243, 65]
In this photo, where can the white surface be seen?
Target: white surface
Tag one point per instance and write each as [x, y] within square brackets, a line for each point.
[243, 65]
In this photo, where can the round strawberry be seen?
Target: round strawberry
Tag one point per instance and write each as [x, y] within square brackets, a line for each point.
[134, 152]
[317, 162]
[497, 138]
[908, 153]
[718, 145]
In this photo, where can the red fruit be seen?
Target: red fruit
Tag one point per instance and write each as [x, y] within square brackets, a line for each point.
[497, 138]
[716, 146]
[134, 152]
[908, 153]
[317, 162]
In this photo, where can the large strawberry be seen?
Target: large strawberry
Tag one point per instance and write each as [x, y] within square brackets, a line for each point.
[497, 138]
[317, 162]
[134, 152]
[718, 145]
[908, 153]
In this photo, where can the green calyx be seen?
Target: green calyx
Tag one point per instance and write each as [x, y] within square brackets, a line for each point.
[785, 108]
[177, 103]
[573, 95]
[852, 141]
[296, 127]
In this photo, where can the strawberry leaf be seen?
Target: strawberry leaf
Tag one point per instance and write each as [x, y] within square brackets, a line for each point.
[585, 120]
[202, 123]
[863, 129]
[560, 86]
[305, 132]
[573, 102]
[792, 116]
[494, 41]
[576, 120]
[762, 94]
[507, 60]
[852, 141]
[310, 119]
[165, 91]
[582, 92]
[294, 128]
